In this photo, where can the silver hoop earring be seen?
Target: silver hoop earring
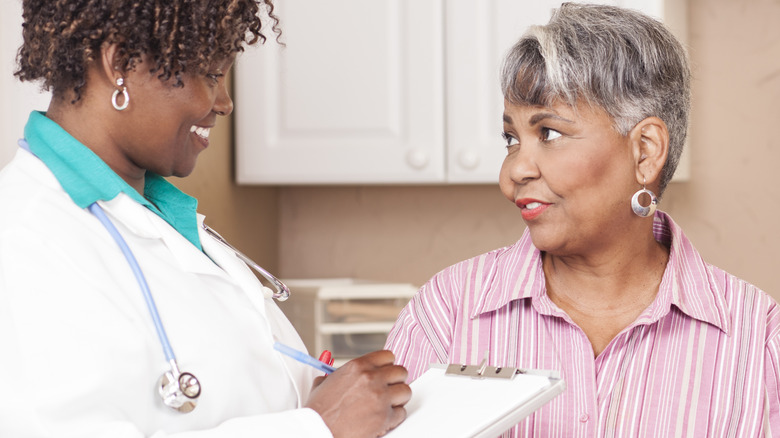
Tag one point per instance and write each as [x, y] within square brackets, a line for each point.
[125, 97]
[639, 210]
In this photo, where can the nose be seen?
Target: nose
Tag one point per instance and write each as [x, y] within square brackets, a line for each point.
[520, 165]
[223, 105]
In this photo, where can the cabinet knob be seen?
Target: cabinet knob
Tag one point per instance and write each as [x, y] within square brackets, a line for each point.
[468, 159]
[417, 158]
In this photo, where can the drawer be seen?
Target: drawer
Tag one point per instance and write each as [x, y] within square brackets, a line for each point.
[346, 316]
[360, 310]
[351, 345]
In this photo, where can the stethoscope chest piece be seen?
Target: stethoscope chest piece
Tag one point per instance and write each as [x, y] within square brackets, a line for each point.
[179, 390]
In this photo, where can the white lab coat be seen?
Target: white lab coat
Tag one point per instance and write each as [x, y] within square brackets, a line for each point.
[79, 355]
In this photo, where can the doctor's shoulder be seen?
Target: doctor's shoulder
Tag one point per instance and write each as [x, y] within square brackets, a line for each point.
[32, 198]
[39, 223]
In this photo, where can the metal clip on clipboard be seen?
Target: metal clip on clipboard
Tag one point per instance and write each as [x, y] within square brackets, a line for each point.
[483, 371]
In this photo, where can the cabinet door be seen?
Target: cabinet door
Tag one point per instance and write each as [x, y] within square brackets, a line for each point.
[354, 96]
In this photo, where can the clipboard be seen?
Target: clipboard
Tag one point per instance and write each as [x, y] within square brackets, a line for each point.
[474, 401]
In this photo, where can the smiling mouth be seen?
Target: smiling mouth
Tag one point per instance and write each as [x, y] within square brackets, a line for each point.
[531, 209]
[200, 131]
[532, 205]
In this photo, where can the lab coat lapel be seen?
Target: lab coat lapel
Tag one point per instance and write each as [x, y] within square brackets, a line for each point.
[144, 223]
[261, 298]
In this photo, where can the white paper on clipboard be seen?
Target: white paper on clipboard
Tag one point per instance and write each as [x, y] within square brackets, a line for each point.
[465, 407]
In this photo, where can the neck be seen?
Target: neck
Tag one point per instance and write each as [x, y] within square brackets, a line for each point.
[604, 293]
[87, 123]
[613, 279]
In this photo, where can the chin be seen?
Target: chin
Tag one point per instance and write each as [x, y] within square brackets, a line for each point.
[183, 174]
[546, 242]
[183, 170]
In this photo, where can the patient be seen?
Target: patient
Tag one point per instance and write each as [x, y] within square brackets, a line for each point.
[650, 339]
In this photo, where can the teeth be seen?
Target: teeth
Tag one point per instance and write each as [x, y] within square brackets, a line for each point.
[533, 205]
[202, 132]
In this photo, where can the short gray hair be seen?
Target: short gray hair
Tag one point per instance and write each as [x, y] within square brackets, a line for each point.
[621, 60]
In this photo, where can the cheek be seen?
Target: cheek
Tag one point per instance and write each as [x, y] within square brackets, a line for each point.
[582, 169]
[200, 98]
[589, 180]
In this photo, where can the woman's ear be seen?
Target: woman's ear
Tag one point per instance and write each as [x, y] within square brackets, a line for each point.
[650, 146]
[109, 64]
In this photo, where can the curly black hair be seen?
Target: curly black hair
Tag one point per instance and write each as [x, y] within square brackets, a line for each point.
[61, 37]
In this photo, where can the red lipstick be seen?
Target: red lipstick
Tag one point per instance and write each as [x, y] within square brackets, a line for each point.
[531, 208]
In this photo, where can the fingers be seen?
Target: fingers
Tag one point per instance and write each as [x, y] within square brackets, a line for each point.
[317, 381]
[365, 397]
[399, 394]
[379, 357]
[396, 417]
[393, 374]
[381, 361]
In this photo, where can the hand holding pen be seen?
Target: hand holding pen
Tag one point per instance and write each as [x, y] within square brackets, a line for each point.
[364, 397]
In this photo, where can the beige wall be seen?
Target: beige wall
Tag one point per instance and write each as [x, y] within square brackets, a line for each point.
[729, 208]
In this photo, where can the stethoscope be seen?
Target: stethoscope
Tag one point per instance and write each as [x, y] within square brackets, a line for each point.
[179, 390]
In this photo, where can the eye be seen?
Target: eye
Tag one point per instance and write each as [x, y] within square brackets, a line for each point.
[214, 76]
[509, 139]
[550, 134]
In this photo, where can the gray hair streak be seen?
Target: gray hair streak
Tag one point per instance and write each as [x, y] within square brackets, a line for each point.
[621, 60]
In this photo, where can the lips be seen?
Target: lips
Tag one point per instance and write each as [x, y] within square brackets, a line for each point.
[201, 135]
[201, 131]
[531, 208]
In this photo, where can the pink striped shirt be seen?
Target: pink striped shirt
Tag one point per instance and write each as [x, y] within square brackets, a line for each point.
[702, 360]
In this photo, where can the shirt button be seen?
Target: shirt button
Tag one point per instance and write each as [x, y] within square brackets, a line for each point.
[584, 418]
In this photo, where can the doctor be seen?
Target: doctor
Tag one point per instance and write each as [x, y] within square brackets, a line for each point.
[136, 87]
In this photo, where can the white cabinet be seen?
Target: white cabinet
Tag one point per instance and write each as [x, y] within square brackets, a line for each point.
[354, 96]
[345, 316]
[376, 92]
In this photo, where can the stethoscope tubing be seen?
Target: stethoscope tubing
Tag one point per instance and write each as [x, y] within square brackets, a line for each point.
[96, 210]
[282, 291]
[178, 390]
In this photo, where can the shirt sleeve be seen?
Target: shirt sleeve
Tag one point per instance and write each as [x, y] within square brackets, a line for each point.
[773, 373]
[423, 332]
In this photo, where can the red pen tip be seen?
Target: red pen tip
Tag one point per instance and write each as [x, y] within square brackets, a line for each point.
[326, 357]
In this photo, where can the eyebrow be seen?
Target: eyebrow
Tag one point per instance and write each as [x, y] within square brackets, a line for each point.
[536, 118]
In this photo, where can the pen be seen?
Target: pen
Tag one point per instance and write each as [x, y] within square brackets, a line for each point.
[326, 357]
[303, 358]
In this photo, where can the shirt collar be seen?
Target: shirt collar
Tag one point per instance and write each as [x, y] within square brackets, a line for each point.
[86, 178]
[688, 283]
